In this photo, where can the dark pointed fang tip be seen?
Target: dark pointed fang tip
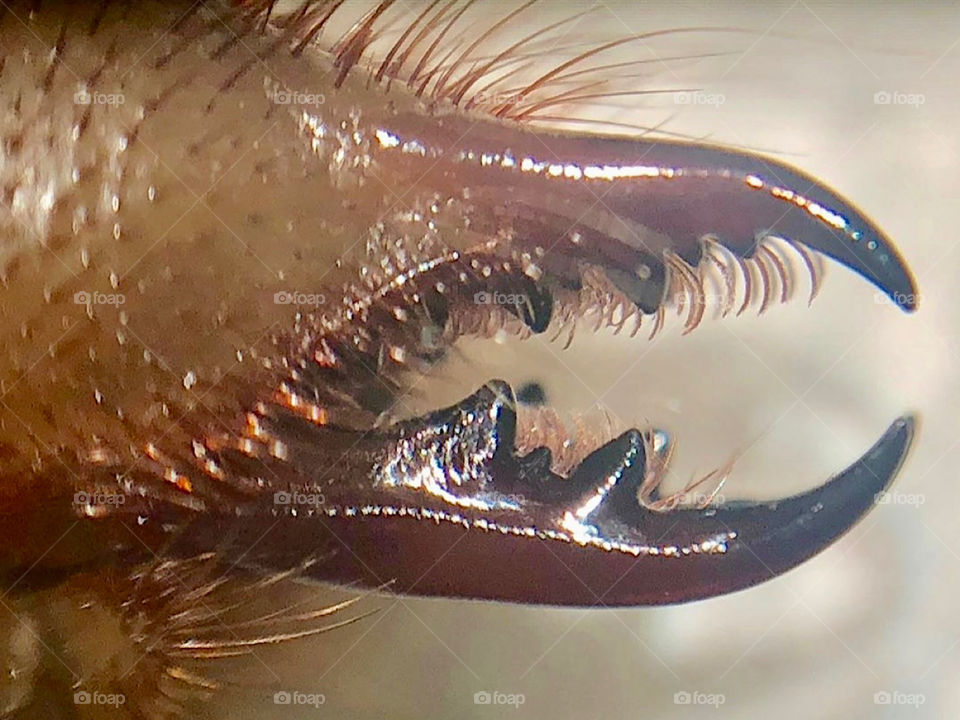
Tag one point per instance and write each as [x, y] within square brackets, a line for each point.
[878, 261]
[782, 534]
[759, 541]
[859, 244]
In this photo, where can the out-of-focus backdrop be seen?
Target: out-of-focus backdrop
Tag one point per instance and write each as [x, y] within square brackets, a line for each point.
[864, 96]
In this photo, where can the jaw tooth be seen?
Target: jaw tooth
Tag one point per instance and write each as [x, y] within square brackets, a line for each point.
[613, 473]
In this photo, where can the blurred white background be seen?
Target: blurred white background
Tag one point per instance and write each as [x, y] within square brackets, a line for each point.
[800, 392]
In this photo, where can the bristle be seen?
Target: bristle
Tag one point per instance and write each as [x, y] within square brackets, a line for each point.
[765, 282]
[655, 474]
[715, 253]
[767, 274]
[182, 616]
[569, 438]
[814, 264]
[783, 269]
[483, 322]
[603, 299]
[432, 57]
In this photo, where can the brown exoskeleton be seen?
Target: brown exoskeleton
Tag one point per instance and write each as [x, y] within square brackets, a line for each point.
[227, 250]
